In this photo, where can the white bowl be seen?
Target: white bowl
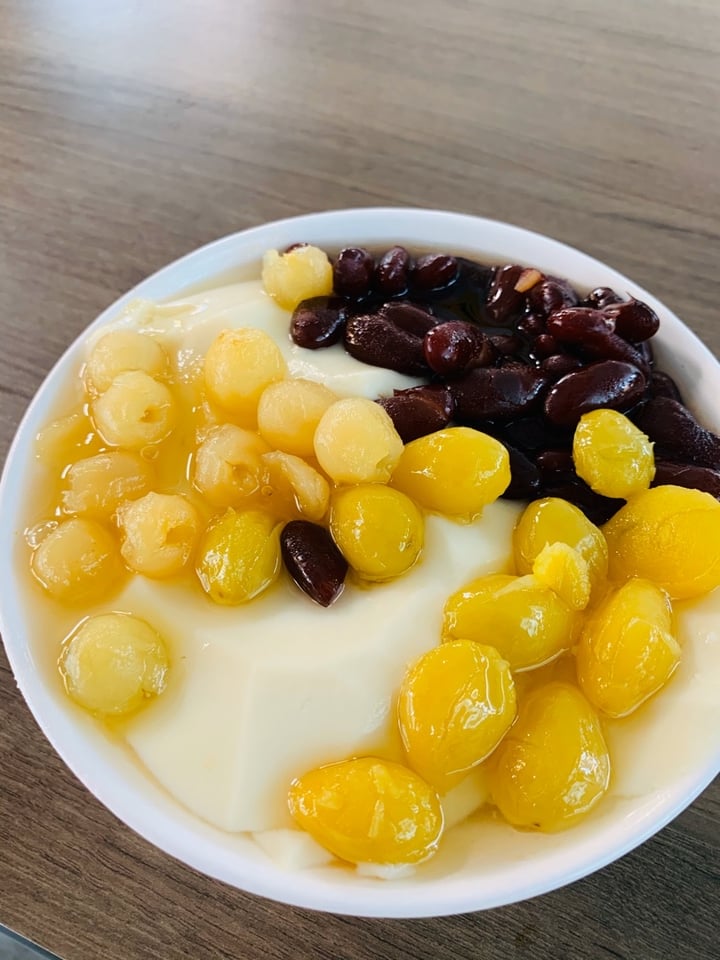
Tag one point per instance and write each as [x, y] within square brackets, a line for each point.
[479, 866]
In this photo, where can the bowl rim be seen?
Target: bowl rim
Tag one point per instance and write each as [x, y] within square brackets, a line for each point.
[303, 889]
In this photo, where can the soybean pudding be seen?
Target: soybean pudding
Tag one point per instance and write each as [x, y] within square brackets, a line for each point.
[248, 686]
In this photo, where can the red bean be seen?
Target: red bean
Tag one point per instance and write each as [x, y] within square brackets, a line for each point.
[559, 364]
[544, 346]
[498, 393]
[318, 322]
[434, 271]
[456, 346]
[601, 297]
[610, 383]
[373, 339]
[532, 325]
[295, 246]
[646, 352]
[409, 317]
[663, 385]
[353, 273]
[556, 466]
[687, 475]
[506, 344]
[438, 393]
[417, 412]
[549, 295]
[535, 433]
[575, 324]
[559, 479]
[504, 300]
[597, 509]
[476, 276]
[313, 560]
[677, 435]
[525, 479]
[591, 333]
[391, 273]
[634, 320]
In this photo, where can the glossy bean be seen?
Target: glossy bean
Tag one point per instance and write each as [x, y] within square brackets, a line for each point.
[498, 393]
[474, 276]
[437, 393]
[416, 413]
[559, 479]
[434, 271]
[677, 435]
[504, 300]
[544, 346]
[575, 324]
[453, 347]
[532, 434]
[353, 273]
[313, 560]
[609, 383]
[409, 317]
[525, 478]
[687, 475]
[551, 294]
[559, 364]
[663, 385]
[645, 350]
[555, 466]
[506, 344]
[601, 297]
[318, 322]
[634, 320]
[597, 509]
[592, 333]
[391, 272]
[532, 325]
[373, 339]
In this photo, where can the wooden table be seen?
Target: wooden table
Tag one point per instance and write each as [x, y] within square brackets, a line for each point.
[130, 133]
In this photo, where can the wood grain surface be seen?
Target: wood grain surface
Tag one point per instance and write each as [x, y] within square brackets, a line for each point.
[132, 131]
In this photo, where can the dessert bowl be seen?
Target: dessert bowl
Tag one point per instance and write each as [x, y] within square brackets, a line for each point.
[482, 863]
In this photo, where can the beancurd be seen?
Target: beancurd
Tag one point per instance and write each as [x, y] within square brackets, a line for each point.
[272, 559]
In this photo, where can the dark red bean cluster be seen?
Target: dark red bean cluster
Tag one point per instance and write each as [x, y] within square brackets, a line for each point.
[313, 560]
[514, 352]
